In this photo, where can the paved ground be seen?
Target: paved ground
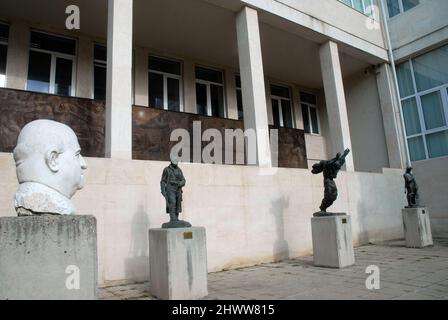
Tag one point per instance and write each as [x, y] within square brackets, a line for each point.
[404, 274]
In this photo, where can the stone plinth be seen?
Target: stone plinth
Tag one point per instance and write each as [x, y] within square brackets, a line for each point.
[48, 257]
[332, 241]
[417, 228]
[178, 263]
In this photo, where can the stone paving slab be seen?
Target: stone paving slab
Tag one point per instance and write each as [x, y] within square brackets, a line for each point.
[405, 274]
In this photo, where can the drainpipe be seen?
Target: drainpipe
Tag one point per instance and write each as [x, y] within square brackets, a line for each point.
[397, 88]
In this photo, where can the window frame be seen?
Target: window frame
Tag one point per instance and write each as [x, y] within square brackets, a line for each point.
[165, 76]
[309, 106]
[54, 55]
[443, 90]
[280, 109]
[208, 84]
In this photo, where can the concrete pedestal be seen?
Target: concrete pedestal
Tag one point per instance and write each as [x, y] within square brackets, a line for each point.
[48, 258]
[332, 241]
[178, 263]
[417, 228]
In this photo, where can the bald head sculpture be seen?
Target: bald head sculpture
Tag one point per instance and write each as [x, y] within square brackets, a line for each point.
[49, 167]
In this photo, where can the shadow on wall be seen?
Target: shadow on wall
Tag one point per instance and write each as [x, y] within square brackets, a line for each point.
[137, 263]
[281, 247]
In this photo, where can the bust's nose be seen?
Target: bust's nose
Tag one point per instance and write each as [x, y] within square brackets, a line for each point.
[83, 163]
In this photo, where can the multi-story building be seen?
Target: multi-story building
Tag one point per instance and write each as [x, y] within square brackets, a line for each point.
[318, 72]
[419, 38]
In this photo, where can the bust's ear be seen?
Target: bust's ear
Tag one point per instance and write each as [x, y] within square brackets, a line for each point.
[51, 159]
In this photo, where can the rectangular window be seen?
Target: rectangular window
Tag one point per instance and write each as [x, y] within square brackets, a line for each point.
[239, 98]
[100, 72]
[51, 64]
[281, 106]
[210, 92]
[165, 84]
[395, 7]
[310, 114]
[423, 83]
[4, 33]
[363, 6]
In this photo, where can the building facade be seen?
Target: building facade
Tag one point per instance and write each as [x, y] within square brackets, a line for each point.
[319, 72]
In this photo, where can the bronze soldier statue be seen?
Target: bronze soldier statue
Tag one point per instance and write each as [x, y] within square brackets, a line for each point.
[330, 169]
[171, 187]
[411, 188]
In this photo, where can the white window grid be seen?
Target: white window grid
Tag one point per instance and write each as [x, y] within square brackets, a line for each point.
[280, 109]
[365, 6]
[208, 85]
[166, 76]
[309, 106]
[417, 96]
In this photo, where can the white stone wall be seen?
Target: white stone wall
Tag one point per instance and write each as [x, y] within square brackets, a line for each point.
[250, 218]
[432, 180]
[419, 28]
[366, 123]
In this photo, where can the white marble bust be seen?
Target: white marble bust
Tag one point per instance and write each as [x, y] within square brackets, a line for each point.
[49, 167]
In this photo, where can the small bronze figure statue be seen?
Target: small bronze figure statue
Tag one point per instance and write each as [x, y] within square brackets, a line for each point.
[171, 187]
[411, 188]
[330, 169]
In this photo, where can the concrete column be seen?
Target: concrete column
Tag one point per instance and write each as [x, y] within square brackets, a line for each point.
[18, 55]
[84, 68]
[252, 82]
[190, 87]
[141, 77]
[119, 80]
[391, 117]
[297, 107]
[335, 98]
[232, 106]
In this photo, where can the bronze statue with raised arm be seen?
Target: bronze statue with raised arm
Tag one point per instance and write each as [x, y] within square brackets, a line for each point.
[330, 169]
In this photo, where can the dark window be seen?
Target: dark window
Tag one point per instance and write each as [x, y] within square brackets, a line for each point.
[314, 121]
[100, 82]
[39, 72]
[209, 75]
[308, 98]
[156, 90]
[276, 112]
[201, 98]
[4, 33]
[239, 98]
[164, 84]
[310, 119]
[280, 91]
[173, 94]
[52, 43]
[3, 52]
[100, 53]
[63, 76]
[217, 100]
[210, 94]
[286, 114]
[100, 72]
[163, 65]
[306, 118]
